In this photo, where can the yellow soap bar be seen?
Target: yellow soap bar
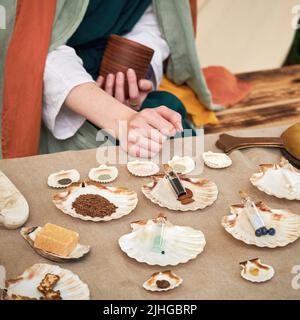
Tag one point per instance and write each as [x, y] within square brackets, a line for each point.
[56, 239]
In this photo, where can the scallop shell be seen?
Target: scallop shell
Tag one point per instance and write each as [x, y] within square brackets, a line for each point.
[30, 233]
[69, 284]
[172, 278]
[2, 282]
[14, 209]
[280, 180]
[180, 244]
[142, 168]
[103, 174]
[286, 224]
[216, 160]
[255, 271]
[182, 165]
[124, 199]
[69, 177]
[159, 191]
[2, 277]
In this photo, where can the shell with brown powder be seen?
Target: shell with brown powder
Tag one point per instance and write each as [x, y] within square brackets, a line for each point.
[124, 200]
[159, 191]
[162, 281]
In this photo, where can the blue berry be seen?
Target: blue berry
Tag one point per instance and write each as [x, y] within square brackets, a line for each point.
[271, 231]
[258, 232]
[264, 231]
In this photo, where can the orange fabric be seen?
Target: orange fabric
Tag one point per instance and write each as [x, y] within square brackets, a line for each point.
[194, 13]
[199, 114]
[23, 77]
[225, 88]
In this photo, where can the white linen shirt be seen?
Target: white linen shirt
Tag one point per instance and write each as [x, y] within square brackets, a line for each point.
[64, 71]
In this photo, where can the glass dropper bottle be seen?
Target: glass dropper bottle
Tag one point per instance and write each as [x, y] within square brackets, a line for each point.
[254, 216]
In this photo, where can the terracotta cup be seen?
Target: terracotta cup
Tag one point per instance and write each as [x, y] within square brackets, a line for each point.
[121, 54]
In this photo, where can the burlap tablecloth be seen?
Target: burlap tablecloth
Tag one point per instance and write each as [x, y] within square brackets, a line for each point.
[110, 274]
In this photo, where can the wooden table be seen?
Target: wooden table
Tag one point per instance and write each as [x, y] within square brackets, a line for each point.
[273, 100]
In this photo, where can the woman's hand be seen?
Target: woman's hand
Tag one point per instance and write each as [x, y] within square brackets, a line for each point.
[115, 86]
[146, 131]
[149, 129]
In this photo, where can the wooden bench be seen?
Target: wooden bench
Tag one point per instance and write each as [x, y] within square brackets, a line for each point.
[273, 100]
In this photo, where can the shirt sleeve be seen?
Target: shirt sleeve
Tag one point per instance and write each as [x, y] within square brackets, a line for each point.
[147, 32]
[63, 71]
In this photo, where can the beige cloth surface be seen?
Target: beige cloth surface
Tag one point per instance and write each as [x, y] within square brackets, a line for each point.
[110, 274]
[244, 35]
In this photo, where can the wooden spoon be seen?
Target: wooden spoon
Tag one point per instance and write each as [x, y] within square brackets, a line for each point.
[289, 140]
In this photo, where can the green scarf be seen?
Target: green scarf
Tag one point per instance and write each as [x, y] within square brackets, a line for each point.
[102, 19]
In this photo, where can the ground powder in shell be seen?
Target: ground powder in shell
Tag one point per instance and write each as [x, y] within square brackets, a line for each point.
[186, 198]
[163, 284]
[93, 205]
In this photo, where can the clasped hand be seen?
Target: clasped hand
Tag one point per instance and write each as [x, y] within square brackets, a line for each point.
[148, 129]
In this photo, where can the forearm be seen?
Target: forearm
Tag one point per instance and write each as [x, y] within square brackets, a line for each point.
[146, 130]
[97, 106]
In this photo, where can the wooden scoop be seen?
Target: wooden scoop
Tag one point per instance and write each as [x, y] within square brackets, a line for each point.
[289, 141]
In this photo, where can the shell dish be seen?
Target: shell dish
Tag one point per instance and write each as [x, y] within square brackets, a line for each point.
[182, 165]
[124, 199]
[286, 224]
[69, 284]
[162, 281]
[63, 179]
[2, 282]
[280, 180]
[29, 234]
[159, 191]
[216, 160]
[142, 168]
[255, 271]
[2, 277]
[14, 209]
[103, 174]
[176, 245]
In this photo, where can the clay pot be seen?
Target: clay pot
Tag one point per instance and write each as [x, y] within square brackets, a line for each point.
[121, 54]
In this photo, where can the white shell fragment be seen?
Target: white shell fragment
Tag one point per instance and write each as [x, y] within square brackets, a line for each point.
[280, 180]
[255, 271]
[182, 165]
[14, 209]
[162, 281]
[124, 199]
[2, 281]
[63, 179]
[142, 168]
[30, 233]
[216, 160]
[69, 284]
[103, 174]
[159, 191]
[285, 223]
[159, 242]
[2, 277]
